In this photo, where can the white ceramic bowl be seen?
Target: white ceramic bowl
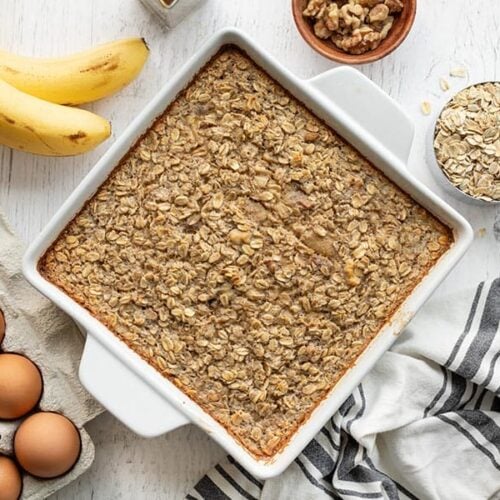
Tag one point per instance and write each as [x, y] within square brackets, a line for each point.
[136, 393]
[436, 170]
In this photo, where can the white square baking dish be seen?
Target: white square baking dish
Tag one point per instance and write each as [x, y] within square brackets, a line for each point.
[135, 392]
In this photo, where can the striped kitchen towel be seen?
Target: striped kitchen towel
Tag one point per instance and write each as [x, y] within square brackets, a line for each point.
[424, 424]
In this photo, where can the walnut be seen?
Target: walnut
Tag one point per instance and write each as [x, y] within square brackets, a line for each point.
[321, 31]
[394, 5]
[352, 15]
[379, 13]
[361, 41]
[386, 28]
[347, 43]
[315, 8]
[332, 17]
[371, 40]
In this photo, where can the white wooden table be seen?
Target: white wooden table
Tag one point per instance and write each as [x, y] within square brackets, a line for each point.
[446, 34]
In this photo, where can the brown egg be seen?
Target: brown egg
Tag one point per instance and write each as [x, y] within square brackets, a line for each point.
[2, 326]
[11, 483]
[20, 386]
[47, 445]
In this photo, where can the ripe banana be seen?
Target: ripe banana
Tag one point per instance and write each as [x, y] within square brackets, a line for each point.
[37, 126]
[78, 78]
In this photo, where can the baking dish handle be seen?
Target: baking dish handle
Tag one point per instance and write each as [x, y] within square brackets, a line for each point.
[375, 111]
[124, 394]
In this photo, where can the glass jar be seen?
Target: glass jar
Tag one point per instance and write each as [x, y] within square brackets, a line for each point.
[171, 12]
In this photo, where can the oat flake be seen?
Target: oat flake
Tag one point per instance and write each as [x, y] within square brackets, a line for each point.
[458, 72]
[425, 107]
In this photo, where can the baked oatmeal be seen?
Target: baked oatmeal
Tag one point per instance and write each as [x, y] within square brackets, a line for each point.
[246, 251]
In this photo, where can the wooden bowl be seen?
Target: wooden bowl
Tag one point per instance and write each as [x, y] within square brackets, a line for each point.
[399, 31]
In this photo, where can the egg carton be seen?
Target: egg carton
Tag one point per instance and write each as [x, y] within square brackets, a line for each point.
[43, 333]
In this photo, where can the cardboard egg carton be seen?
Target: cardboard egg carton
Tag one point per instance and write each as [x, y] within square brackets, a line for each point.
[43, 333]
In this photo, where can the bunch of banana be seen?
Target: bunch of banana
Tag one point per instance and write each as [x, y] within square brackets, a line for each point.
[36, 96]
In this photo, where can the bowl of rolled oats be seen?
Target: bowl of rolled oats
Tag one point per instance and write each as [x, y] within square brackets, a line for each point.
[354, 31]
[466, 144]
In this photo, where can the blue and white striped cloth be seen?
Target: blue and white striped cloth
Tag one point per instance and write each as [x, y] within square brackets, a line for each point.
[424, 424]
